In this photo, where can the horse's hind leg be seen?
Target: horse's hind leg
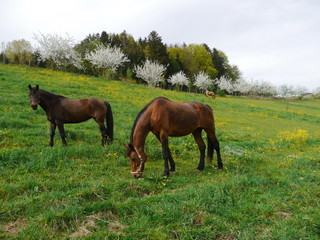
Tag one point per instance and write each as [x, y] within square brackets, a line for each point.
[61, 131]
[202, 147]
[52, 131]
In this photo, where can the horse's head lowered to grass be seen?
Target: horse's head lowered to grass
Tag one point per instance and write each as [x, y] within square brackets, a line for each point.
[137, 160]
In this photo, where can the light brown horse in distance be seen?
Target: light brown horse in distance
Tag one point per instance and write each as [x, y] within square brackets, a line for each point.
[61, 110]
[165, 118]
[209, 94]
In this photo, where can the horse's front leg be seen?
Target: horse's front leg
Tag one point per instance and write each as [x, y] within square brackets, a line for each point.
[172, 163]
[52, 131]
[166, 156]
[61, 131]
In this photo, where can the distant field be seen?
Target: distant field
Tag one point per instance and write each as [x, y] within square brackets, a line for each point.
[269, 188]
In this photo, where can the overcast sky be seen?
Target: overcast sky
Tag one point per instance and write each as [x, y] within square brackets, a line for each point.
[273, 40]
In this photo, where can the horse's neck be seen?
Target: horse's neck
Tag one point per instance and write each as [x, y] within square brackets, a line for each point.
[140, 134]
[46, 99]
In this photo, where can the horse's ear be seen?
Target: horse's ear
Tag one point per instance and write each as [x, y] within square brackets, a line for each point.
[29, 87]
[37, 87]
[129, 146]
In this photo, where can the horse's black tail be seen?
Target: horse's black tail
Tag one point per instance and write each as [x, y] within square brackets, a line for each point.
[214, 145]
[109, 119]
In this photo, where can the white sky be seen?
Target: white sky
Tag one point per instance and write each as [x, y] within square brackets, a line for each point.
[272, 40]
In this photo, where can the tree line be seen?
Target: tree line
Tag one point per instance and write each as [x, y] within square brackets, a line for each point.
[190, 59]
[185, 67]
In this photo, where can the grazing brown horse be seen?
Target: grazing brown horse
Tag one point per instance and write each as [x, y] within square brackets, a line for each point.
[61, 110]
[164, 119]
[209, 94]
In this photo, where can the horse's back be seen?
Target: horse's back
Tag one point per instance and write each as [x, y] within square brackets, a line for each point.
[83, 103]
[180, 109]
[179, 118]
[79, 110]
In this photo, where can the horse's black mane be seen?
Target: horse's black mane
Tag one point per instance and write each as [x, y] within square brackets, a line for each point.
[209, 107]
[139, 115]
[51, 94]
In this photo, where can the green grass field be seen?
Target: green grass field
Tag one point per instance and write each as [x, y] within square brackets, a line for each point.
[269, 188]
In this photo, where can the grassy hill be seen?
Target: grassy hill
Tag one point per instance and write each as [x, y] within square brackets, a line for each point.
[268, 190]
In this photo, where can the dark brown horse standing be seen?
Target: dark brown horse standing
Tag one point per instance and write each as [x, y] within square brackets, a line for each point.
[61, 110]
[164, 119]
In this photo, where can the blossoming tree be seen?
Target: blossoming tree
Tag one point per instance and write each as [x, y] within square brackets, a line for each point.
[58, 49]
[179, 79]
[106, 57]
[225, 84]
[202, 80]
[151, 72]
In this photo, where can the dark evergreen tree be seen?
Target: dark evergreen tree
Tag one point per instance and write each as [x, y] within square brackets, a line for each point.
[155, 49]
[142, 42]
[219, 62]
[134, 52]
[104, 38]
[233, 73]
[175, 65]
[207, 48]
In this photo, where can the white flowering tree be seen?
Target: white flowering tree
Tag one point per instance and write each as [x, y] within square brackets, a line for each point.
[241, 86]
[285, 90]
[151, 72]
[106, 58]
[202, 80]
[300, 91]
[179, 79]
[225, 84]
[263, 88]
[58, 49]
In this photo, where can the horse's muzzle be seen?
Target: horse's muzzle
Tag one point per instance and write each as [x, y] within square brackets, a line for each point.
[137, 175]
[34, 106]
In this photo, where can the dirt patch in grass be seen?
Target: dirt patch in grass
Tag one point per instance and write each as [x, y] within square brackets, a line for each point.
[90, 224]
[13, 228]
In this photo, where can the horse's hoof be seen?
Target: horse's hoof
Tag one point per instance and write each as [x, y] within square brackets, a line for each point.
[137, 176]
[198, 170]
[172, 172]
[165, 175]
